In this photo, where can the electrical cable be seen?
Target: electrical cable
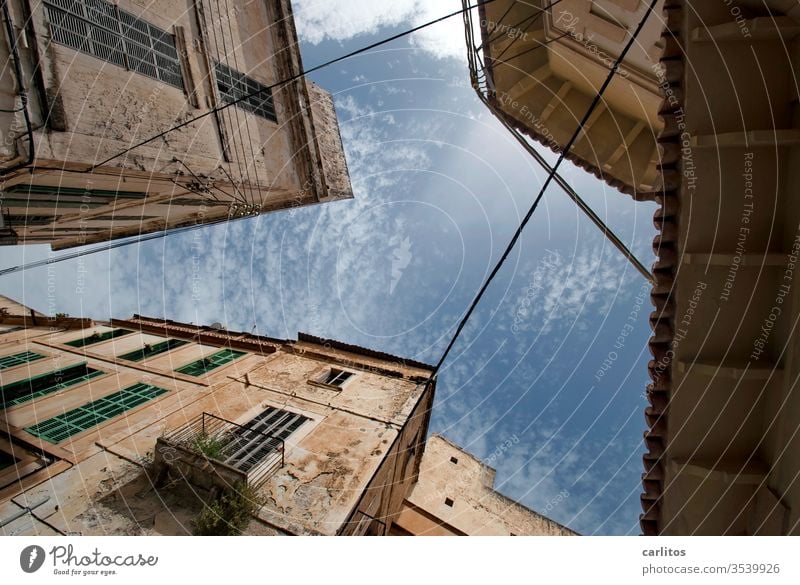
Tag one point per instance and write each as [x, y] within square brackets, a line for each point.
[161, 234]
[285, 81]
[562, 156]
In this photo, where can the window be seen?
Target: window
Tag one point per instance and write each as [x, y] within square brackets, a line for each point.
[9, 361]
[151, 350]
[448, 502]
[23, 220]
[104, 31]
[78, 194]
[336, 377]
[233, 86]
[249, 448]
[98, 337]
[454, 460]
[121, 217]
[6, 460]
[94, 413]
[208, 363]
[30, 388]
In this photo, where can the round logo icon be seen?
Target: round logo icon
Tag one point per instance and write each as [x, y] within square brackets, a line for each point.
[31, 558]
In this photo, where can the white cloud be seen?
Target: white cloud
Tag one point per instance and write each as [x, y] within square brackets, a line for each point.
[341, 20]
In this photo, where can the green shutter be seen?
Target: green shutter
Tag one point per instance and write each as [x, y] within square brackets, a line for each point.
[94, 413]
[98, 337]
[149, 351]
[44, 384]
[202, 366]
[9, 361]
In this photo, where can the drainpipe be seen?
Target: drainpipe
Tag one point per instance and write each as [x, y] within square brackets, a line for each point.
[23, 95]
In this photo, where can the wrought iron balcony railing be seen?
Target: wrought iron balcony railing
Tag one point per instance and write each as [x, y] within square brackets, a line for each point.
[247, 449]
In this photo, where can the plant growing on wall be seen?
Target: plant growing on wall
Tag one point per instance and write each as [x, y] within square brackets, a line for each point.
[229, 513]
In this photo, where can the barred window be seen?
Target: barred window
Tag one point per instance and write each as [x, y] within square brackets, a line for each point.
[102, 30]
[233, 85]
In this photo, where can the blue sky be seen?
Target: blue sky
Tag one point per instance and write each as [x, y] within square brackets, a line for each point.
[440, 187]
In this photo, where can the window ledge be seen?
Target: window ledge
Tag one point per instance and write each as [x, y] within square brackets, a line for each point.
[324, 385]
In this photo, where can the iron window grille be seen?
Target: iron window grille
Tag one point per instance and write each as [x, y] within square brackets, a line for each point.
[90, 415]
[44, 384]
[98, 337]
[233, 85]
[149, 351]
[104, 31]
[9, 361]
[211, 362]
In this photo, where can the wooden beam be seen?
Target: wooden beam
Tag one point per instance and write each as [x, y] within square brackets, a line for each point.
[755, 29]
[629, 139]
[757, 371]
[599, 111]
[752, 138]
[729, 472]
[527, 83]
[556, 101]
[750, 260]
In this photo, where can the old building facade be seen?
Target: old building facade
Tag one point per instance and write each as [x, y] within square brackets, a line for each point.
[88, 79]
[105, 428]
[455, 496]
[724, 414]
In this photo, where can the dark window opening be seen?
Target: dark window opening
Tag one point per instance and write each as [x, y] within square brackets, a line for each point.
[336, 377]
[6, 460]
[249, 94]
[454, 460]
[98, 337]
[31, 388]
[152, 350]
[206, 364]
[448, 502]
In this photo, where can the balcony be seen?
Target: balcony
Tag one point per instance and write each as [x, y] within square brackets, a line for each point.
[212, 453]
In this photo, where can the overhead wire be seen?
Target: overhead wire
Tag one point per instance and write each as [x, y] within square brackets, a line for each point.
[280, 83]
[562, 156]
[477, 68]
[285, 81]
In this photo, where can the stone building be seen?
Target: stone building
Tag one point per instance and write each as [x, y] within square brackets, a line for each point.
[539, 67]
[141, 426]
[87, 79]
[132, 426]
[721, 105]
[454, 496]
[723, 445]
